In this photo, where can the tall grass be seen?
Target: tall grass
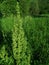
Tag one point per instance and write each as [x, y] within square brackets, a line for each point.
[37, 33]
[26, 42]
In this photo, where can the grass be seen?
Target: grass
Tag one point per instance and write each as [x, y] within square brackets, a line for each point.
[37, 32]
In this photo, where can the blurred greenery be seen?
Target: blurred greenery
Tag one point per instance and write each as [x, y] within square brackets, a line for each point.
[24, 32]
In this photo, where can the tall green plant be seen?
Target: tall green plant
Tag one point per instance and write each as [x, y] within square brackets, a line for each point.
[20, 45]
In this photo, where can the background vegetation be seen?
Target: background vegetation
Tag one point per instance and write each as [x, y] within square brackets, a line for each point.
[24, 32]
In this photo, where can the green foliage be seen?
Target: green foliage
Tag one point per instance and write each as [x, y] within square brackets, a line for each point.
[44, 6]
[27, 7]
[4, 59]
[20, 48]
[7, 7]
[36, 31]
[7, 23]
[27, 44]
[24, 6]
[24, 40]
[34, 8]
